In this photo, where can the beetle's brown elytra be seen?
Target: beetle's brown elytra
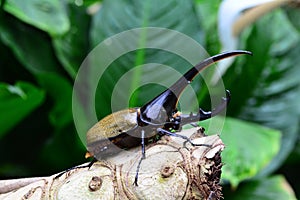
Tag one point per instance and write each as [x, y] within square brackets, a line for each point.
[108, 132]
[132, 127]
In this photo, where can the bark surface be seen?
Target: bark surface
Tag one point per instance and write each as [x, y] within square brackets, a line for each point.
[173, 169]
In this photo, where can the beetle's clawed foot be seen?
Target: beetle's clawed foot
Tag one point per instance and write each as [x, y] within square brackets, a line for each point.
[203, 145]
[228, 97]
[223, 105]
[89, 165]
[194, 144]
[135, 183]
[206, 115]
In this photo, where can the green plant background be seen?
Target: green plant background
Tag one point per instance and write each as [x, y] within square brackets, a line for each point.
[43, 43]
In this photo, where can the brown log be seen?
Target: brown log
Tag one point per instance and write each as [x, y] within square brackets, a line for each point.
[173, 169]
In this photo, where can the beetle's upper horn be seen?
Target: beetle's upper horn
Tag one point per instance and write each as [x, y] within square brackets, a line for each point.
[179, 85]
[169, 98]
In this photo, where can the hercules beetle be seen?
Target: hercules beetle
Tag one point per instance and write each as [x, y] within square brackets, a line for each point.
[138, 126]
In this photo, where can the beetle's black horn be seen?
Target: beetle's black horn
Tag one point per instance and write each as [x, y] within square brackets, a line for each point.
[167, 101]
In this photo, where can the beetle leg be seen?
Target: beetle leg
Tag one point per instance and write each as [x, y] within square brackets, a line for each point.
[203, 115]
[89, 165]
[142, 158]
[165, 132]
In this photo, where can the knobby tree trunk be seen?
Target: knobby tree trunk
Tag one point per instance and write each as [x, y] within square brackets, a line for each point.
[173, 169]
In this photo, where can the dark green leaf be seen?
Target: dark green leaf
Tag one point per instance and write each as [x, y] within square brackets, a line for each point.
[265, 87]
[48, 15]
[72, 47]
[16, 102]
[272, 188]
[31, 47]
[116, 16]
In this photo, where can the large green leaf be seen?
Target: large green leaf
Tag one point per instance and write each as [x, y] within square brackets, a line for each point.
[16, 102]
[114, 17]
[265, 87]
[47, 15]
[72, 47]
[271, 188]
[30, 45]
[249, 148]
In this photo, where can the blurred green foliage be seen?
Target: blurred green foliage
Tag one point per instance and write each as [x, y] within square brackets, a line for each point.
[44, 42]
